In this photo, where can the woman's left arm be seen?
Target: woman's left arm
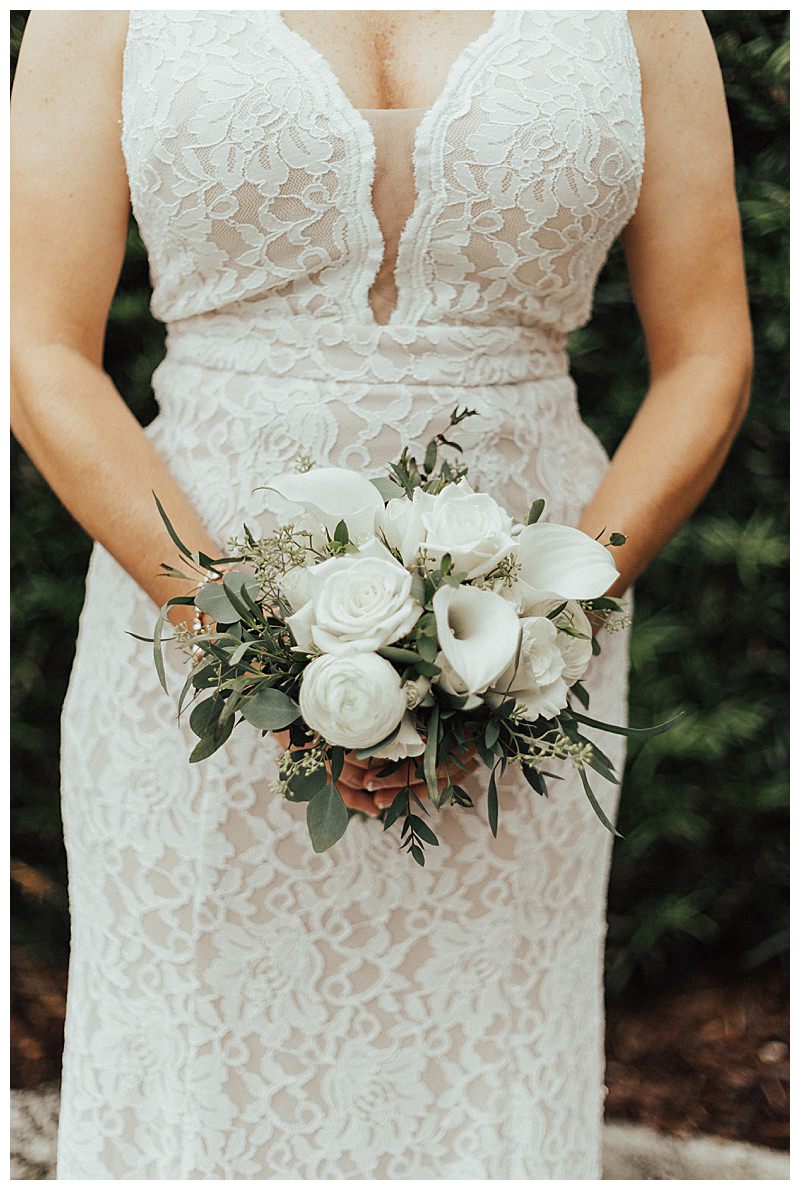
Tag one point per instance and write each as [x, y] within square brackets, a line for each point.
[683, 250]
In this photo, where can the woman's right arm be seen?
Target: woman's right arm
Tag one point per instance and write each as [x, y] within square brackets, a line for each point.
[69, 220]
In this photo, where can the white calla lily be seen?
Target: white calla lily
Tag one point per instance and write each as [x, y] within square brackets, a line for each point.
[478, 634]
[563, 561]
[334, 494]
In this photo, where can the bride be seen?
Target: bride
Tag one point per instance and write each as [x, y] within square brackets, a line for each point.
[355, 220]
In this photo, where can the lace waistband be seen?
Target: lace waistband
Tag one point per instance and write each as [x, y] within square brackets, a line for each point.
[329, 349]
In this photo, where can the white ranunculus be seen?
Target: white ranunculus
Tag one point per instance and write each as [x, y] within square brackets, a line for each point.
[478, 635]
[576, 650]
[537, 684]
[560, 560]
[407, 742]
[358, 603]
[333, 494]
[469, 526]
[353, 700]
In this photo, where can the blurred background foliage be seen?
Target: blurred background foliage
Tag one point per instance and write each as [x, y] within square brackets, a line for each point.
[702, 871]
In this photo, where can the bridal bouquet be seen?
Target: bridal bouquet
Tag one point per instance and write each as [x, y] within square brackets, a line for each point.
[409, 619]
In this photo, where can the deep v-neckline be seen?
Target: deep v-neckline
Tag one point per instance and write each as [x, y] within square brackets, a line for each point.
[319, 68]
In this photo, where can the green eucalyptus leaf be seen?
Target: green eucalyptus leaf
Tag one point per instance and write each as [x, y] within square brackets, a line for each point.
[418, 590]
[492, 803]
[422, 829]
[211, 742]
[337, 762]
[429, 762]
[303, 786]
[389, 490]
[636, 733]
[237, 586]
[269, 709]
[399, 806]
[537, 508]
[326, 818]
[183, 549]
[596, 805]
[400, 656]
[427, 648]
[204, 715]
[556, 611]
[158, 656]
[461, 796]
[213, 599]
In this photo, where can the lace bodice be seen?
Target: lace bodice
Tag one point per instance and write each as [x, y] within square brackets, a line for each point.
[251, 172]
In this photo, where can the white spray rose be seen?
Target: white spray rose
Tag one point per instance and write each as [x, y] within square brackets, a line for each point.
[478, 634]
[576, 650]
[358, 603]
[353, 700]
[416, 689]
[538, 684]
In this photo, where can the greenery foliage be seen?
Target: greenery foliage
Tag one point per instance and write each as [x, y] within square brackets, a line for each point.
[704, 861]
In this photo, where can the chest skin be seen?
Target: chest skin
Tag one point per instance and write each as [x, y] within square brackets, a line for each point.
[389, 59]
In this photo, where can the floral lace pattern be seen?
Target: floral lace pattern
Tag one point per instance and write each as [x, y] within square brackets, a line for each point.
[238, 1006]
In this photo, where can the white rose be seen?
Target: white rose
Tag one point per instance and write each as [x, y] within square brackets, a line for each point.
[537, 685]
[353, 700]
[358, 603]
[576, 650]
[407, 742]
[469, 526]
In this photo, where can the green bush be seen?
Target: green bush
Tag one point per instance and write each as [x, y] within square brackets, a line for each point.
[703, 865]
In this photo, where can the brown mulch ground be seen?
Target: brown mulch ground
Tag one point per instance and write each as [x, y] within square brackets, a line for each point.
[711, 1055]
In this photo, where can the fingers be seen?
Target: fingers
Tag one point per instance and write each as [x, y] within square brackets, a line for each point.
[356, 799]
[367, 778]
[387, 796]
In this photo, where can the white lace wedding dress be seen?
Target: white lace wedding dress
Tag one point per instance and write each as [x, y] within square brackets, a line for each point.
[238, 1006]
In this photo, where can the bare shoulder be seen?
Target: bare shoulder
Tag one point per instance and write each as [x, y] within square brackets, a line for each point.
[668, 30]
[54, 38]
[675, 47]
